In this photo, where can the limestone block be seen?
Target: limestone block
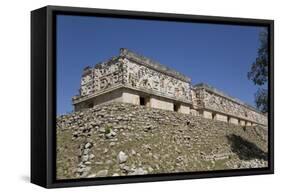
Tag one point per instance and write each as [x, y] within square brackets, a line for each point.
[194, 112]
[184, 109]
[131, 98]
[220, 117]
[207, 114]
[242, 123]
[161, 104]
[248, 123]
[233, 120]
[112, 96]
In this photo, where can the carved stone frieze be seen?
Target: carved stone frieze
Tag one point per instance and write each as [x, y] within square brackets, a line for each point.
[213, 100]
[147, 79]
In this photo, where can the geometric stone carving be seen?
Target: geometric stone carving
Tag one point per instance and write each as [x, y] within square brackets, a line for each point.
[215, 100]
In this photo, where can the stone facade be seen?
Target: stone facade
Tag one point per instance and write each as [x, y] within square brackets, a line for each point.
[132, 78]
[226, 108]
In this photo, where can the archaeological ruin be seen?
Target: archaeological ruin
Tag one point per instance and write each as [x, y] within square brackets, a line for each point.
[132, 78]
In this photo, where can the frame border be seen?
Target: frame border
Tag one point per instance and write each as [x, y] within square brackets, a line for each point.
[43, 95]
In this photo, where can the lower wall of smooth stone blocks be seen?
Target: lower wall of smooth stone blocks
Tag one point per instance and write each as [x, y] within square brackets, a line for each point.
[194, 112]
[221, 117]
[248, 123]
[184, 109]
[112, 96]
[161, 104]
[242, 123]
[207, 114]
[130, 98]
[137, 98]
[233, 120]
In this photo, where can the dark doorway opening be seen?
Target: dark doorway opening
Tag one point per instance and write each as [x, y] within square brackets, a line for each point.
[213, 116]
[90, 105]
[144, 101]
[176, 107]
[228, 119]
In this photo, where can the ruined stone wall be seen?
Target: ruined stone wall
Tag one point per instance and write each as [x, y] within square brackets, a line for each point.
[121, 139]
[212, 99]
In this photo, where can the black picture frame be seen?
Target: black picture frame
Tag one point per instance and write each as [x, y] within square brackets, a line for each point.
[43, 95]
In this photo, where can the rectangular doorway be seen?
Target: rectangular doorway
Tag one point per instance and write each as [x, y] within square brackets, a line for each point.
[144, 101]
[176, 107]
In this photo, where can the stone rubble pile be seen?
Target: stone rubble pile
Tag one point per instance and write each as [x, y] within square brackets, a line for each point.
[117, 139]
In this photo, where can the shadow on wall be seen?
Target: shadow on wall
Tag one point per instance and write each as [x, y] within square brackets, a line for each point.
[244, 149]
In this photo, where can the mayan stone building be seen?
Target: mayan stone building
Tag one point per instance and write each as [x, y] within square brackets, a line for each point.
[132, 78]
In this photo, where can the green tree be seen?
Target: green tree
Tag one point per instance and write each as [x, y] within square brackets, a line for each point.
[261, 100]
[259, 73]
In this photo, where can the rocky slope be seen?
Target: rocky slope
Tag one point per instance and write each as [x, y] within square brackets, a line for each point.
[118, 139]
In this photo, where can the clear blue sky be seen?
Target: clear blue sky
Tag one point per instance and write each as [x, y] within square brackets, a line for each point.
[220, 55]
